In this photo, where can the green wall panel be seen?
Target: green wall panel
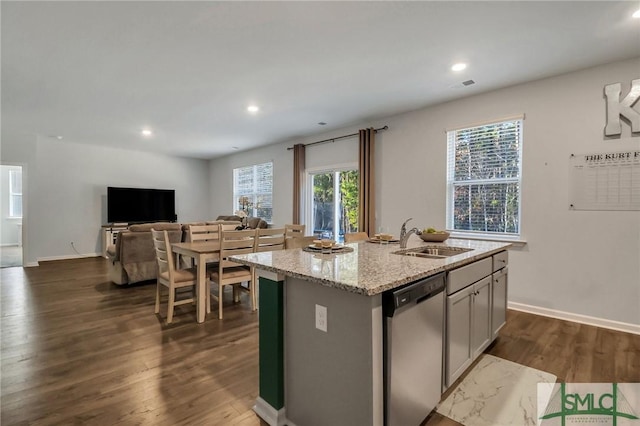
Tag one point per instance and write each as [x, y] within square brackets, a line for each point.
[271, 342]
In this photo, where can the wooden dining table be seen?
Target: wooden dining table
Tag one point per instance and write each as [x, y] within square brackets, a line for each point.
[202, 252]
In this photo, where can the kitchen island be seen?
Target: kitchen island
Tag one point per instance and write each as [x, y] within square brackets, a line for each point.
[321, 327]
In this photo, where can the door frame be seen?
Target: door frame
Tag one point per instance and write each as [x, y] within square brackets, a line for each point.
[308, 200]
[25, 209]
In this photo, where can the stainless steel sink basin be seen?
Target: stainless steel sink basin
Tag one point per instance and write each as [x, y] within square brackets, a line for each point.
[432, 252]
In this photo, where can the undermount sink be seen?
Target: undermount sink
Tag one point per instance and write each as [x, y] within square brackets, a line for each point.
[432, 252]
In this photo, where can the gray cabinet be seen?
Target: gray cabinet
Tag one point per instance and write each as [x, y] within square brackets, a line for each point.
[476, 310]
[468, 327]
[458, 335]
[481, 335]
[499, 293]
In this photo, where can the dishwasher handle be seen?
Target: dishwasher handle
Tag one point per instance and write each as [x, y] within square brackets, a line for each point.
[411, 294]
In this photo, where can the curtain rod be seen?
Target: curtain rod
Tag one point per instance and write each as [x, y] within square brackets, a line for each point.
[339, 137]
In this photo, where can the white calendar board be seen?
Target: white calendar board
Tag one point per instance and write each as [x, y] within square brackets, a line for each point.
[605, 181]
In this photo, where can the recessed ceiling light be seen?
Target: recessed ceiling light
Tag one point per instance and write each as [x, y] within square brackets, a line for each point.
[636, 14]
[253, 108]
[322, 123]
[458, 67]
[146, 132]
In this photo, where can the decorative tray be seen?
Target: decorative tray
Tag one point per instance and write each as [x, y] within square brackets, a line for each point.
[335, 249]
[379, 241]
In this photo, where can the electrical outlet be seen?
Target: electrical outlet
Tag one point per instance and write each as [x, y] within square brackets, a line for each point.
[321, 318]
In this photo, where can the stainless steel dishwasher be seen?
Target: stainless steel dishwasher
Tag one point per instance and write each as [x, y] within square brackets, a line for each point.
[413, 332]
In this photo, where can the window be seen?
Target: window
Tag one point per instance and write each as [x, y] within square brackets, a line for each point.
[15, 193]
[253, 190]
[483, 178]
[333, 203]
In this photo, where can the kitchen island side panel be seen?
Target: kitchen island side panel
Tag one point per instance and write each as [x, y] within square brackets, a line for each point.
[271, 342]
[340, 368]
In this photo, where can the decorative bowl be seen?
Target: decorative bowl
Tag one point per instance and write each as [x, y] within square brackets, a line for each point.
[434, 237]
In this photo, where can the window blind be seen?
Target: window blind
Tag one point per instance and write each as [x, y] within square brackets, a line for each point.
[483, 178]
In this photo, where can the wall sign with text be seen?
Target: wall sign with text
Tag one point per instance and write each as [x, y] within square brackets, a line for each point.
[605, 181]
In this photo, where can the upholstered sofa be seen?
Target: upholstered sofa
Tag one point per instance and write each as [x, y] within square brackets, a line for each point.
[133, 258]
[252, 222]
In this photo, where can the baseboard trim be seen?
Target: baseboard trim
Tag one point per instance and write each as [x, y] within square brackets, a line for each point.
[581, 319]
[30, 264]
[68, 257]
[266, 412]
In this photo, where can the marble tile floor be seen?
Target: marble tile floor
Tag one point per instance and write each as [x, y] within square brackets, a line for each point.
[496, 392]
[10, 256]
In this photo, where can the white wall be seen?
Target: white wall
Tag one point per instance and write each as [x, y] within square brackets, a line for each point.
[581, 262]
[221, 180]
[330, 154]
[8, 226]
[318, 156]
[67, 187]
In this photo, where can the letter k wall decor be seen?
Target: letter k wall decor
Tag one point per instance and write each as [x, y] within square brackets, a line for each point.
[617, 108]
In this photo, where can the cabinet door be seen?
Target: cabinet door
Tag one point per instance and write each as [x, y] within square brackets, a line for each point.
[481, 316]
[458, 350]
[499, 301]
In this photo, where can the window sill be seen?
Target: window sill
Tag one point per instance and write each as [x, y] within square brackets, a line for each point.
[515, 240]
[13, 218]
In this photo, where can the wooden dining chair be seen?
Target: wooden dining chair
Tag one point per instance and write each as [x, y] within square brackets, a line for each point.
[299, 242]
[206, 233]
[169, 276]
[231, 273]
[354, 237]
[203, 233]
[229, 225]
[269, 239]
[294, 231]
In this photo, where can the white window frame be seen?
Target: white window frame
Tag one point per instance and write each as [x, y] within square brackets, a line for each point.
[253, 194]
[13, 195]
[452, 183]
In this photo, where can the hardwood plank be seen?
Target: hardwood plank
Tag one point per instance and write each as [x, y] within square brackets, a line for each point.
[78, 349]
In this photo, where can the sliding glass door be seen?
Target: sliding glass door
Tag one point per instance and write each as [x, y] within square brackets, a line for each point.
[333, 203]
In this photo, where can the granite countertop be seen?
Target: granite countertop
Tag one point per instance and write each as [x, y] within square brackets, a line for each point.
[370, 268]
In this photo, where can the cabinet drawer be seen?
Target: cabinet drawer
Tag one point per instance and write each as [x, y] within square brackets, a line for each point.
[500, 260]
[469, 274]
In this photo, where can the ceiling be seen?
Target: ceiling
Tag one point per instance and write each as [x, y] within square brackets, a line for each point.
[99, 72]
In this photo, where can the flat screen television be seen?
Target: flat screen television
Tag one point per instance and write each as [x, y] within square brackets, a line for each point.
[136, 205]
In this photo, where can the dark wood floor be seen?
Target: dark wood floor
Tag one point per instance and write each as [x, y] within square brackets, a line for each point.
[77, 349]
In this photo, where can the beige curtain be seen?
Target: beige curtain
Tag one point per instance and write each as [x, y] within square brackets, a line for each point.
[367, 205]
[298, 174]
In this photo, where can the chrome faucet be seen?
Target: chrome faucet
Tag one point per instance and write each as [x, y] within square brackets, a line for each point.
[404, 234]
